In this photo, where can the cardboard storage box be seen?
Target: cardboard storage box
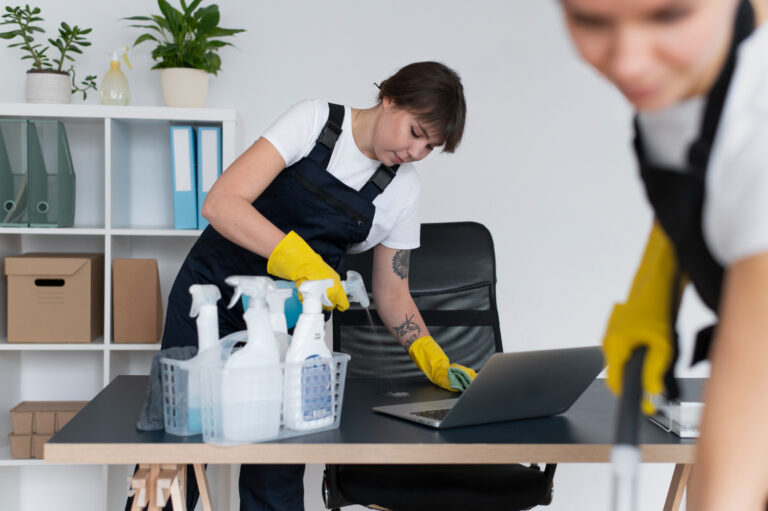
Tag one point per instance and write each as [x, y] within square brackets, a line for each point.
[27, 446]
[55, 297]
[137, 307]
[43, 417]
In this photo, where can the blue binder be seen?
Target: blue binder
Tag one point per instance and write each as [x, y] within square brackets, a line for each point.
[184, 177]
[208, 165]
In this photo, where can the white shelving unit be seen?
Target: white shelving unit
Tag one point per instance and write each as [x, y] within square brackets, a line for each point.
[124, 208]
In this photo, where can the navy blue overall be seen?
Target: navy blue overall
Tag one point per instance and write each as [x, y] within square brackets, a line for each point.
[677, 197]
[329, 216]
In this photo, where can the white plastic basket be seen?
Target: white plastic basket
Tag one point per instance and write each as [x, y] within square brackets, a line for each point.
[176, 376]
[216, 424]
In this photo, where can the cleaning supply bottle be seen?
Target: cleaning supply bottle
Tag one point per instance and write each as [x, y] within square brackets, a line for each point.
[276, 304]
[252, 380]
[309, 399]
[114, 86]
[204, 298]
[355, 289]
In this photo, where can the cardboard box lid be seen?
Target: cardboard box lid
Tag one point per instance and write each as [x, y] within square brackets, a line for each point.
[47, 263]
[49, 406]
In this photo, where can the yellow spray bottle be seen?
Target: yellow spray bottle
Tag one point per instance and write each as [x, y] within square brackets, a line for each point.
[114, 87]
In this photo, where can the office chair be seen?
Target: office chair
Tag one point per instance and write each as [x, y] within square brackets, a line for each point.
[453, 282]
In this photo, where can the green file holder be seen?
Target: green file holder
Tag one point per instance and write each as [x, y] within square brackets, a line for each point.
[51, 176]
[13, 173]
[37, 180]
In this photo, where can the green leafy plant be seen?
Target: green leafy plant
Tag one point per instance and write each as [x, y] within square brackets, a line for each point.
[70, 40]
[185, 38]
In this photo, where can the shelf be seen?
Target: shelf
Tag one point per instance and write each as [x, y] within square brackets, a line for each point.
[117, 112]
[192, 233]
[124, 209]
[96, 345]
[7, 461]
[55, 231]
[135, 347]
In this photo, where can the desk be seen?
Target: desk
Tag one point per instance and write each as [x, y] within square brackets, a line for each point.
[104, 432]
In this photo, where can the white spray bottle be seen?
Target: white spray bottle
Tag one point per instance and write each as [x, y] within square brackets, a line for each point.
[355, 289]
[276, 304]
[204, 298]
[309, 400]
[252, 380]
[114, 88]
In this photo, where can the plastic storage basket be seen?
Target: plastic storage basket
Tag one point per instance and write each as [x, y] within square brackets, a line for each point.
[215, 425]
[176, 377]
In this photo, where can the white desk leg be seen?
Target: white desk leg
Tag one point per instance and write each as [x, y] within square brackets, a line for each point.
[677, 487]
[202, 485]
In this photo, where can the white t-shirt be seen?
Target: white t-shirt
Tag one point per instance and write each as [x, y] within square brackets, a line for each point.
[397, 221]
[735, 214]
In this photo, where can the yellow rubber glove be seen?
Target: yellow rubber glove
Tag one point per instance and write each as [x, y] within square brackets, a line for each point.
[293, 259]
[431, 359]
[645, 318]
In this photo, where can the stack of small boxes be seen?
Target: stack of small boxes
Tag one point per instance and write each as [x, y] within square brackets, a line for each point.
[34, 422]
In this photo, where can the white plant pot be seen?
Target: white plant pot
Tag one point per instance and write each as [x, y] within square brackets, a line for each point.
[184, 87]
[48, 87]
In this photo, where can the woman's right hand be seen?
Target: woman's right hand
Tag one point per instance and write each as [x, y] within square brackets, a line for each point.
[646, 318]
[293, 259]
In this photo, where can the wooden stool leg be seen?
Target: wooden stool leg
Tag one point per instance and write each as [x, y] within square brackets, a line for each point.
[155, 497]
[139, 487]
[677, 487]
[166, 479]
[202, 484]
[175, 490]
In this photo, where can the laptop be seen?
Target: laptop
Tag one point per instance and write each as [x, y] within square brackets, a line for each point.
[511, 386]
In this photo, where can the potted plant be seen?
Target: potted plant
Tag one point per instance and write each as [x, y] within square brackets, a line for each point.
[186, 46]
[49, 79]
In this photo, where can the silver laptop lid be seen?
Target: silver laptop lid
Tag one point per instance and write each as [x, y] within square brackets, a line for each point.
[513, 386]
[526, 385]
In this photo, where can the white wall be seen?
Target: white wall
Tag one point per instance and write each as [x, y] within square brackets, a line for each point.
[545, 162]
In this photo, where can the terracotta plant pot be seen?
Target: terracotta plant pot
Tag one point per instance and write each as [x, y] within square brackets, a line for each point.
[48, 87]
[184, 87]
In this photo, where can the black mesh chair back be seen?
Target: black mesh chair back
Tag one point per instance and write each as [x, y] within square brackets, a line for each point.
[452, 279]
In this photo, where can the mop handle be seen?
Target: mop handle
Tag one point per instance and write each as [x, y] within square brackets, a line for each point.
[627, 419]
[625, 456]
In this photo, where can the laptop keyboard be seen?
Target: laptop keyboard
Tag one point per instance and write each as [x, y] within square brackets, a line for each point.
[434, 414]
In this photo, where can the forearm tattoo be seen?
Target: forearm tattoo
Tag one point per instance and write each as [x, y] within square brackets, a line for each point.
[400, 263]
[407, 332]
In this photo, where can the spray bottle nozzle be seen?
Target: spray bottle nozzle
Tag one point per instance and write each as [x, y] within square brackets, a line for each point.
[203, 294]
[314, 296]
[124, 50]
[253, 287]
[355, 288]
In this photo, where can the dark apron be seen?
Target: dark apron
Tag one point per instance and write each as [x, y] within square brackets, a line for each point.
[306, 198]
[677, 197]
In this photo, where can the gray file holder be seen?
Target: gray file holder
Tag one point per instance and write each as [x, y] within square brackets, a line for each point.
[37, 180]
[13, 173]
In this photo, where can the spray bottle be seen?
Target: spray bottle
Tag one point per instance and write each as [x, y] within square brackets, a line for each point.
[252, 380]
[355, 289]
[309, 400]
[276, 304]
[204, 298]
[114, 86]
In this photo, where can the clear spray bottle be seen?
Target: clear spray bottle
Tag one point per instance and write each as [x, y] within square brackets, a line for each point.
[114, 88]
[204, 298]
[252, 381]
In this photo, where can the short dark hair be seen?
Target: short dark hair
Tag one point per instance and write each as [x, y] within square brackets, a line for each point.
[433, 92]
